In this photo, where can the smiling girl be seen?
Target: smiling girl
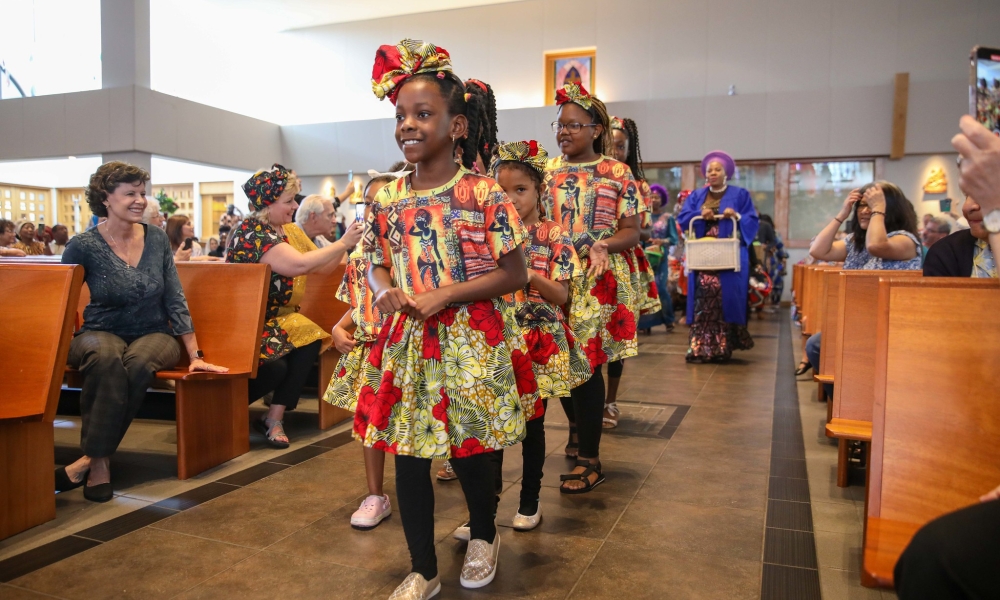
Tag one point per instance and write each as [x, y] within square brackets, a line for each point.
[456, 376]
[596, 201]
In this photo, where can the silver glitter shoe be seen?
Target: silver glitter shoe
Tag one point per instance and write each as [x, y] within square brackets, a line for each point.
[415, 587]
[480, 563]
[527, 522]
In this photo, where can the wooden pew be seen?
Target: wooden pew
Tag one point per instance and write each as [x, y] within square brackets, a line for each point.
[321, 306]
[854, 369]
[812, 294]
[798, 271]
[935, 427]
[823, 373]
[38, 303]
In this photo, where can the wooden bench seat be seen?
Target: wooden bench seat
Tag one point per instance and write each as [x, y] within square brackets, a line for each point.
[845, 429]
[935, 425]
[38, 303]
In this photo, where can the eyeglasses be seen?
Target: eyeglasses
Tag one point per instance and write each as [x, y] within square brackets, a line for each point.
[570, 127]
[862, 206]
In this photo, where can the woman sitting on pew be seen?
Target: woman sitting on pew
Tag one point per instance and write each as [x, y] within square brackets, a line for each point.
[965, 253]
[136, 308]
[7, 238]
[290, 342]
[882, 236]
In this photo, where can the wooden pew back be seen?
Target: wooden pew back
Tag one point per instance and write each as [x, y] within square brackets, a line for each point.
[831, 296]
[812, 295]
[935, 426]
[797, 275]
[36, 332]
[320, 304]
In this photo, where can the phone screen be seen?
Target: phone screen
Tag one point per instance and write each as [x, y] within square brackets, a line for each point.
[984, 87]
[359, 212]
[188, 243]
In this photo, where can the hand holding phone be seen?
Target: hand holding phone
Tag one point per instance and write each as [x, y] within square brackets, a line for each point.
[188, 243]
[984, 87]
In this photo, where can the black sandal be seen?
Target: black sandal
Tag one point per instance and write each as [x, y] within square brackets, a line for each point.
[804, 367]
[265, 429]
[572, 448]
[584, 477]
[65, 484]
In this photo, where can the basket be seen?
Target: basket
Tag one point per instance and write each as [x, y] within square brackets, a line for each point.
[713, 254]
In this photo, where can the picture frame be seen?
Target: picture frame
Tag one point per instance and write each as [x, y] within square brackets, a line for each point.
[564, 65]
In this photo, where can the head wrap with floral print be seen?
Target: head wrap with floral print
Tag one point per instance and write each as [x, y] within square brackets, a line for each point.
[617, 123]
[575, 93]
[396, 64]
[528, 152]
[266, 186]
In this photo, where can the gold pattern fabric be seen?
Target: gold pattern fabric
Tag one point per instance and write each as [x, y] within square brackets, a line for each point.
[396, 64]
[528, 152]
[301, 331]
[575, 93]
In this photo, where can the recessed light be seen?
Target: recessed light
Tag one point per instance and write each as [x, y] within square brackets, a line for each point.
[71, 157]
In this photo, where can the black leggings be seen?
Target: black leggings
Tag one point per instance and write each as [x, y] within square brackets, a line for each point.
[285, 376]
[533, 459]
[415, 494]
[954, 556]
[585, 409]
[615, 368]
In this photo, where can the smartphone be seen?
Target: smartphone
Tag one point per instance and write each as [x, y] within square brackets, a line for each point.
[359, 212]
[188, 243]
[984, 87]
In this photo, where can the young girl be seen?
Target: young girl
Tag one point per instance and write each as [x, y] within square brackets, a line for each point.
[625, 135]
[557, 360]
[596, 201]
[354, 335]
[453, 366]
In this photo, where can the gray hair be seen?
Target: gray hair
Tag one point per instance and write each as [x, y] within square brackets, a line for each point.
[941, 225]
[152, 207]
[311, 204]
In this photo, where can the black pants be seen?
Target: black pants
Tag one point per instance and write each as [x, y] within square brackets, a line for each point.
[585, 408]
[285, 376]
[615, 368]
[415, 494]
[116, 373]
[954, 556]
[533, 460]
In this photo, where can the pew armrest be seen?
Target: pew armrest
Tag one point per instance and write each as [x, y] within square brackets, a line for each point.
[885, 541]
[846, 429]
[823, 378]
[184, 375]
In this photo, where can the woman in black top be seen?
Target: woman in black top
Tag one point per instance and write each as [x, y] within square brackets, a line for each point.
[136, 308]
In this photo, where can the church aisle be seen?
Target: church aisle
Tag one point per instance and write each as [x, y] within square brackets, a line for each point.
[683, 514]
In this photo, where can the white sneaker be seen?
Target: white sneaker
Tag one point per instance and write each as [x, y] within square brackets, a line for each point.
[371, 512]
[463, 532]
[526, 523]
[480, 565]
[415, 587]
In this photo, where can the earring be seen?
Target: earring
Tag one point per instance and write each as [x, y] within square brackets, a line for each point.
[452, 139]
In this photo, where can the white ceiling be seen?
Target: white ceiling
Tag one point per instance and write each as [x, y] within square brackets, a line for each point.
[282, 15]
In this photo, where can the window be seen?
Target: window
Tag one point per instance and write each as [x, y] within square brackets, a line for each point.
[668, 177]
[816, 191]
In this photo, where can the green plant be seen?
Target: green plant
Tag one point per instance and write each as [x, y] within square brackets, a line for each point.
[167, 203]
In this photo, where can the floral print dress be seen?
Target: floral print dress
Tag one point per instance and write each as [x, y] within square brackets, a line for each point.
[861, 259]
[558, 360]
[461, 382]
[353, 370]
[586, 200]
[642, 275]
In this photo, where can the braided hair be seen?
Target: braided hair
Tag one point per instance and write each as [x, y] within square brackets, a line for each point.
[633, 156]
[474, 108]
[487, 142]
[605, 143]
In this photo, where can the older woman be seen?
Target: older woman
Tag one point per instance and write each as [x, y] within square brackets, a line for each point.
[26, 242]
[7, 238]
[136, 308]
[717, 300]
[290, 342]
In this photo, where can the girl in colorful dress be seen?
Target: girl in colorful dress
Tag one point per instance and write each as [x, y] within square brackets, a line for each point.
[625, 135]
[290, 343]
[353, 336]
[456, 377]
[557, 360]
[596, 201]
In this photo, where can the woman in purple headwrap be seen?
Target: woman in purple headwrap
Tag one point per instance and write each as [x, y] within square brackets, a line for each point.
[717, 300]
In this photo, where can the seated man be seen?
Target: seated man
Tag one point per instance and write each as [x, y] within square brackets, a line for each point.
[934, 231]
[965, 253]
[315, 217]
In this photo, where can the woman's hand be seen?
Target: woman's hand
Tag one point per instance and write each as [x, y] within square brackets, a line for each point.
[342, 340]
[182, 255]
[428, 304]
[12, 252]
[729, 213]
[353, 234]
[207, 258]
[599, 260]
[875, 198]
[200, 365]
[707, 214]
[993, 494]
[849, 202]
[980, 163]
[393, 300]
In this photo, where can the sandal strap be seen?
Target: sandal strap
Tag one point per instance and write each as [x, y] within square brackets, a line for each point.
[271, 424]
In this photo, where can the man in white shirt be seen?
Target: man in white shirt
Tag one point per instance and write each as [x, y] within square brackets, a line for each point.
[315, 218]
[60, 236]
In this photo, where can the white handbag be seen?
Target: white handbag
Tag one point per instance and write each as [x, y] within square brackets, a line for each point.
[713, 254]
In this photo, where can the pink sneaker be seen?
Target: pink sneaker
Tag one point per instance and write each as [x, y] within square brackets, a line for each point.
[371, 512]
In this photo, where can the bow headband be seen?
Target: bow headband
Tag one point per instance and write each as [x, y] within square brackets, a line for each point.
[530, 153]
[266, 186]
[396, 64]
[617, 123]
[575, 93]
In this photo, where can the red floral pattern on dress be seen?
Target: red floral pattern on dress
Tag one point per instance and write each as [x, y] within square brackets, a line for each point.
[385, 398]
[483, 316]
[622, 323]
[432, 343]
[469, 447]
[541, 345]
[440, 410]
[524, 373]
[606, 290]
[595, 352]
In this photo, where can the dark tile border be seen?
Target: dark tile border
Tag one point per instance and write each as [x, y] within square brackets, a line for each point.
[790, 567]
[31, 560]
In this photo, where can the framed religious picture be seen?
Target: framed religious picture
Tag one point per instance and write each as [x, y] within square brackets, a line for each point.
[569, 66]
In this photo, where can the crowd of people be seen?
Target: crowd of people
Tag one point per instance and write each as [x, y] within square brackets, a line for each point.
[485, 279]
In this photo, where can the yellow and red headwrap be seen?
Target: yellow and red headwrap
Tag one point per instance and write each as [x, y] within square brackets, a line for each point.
[528, 152]
[575, 93]
[617, 123]
[396, 64]
[265, 187]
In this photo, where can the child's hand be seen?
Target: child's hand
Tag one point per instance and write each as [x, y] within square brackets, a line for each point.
[599, 260]
[428, 304]
[393, 300]
[342, 340]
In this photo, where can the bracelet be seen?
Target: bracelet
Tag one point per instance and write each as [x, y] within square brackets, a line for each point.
[878, 212]
[838, 220]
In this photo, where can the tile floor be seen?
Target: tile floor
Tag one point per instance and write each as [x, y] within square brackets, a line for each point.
[683, 513]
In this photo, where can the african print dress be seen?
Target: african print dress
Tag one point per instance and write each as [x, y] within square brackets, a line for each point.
[643, 278]
[558, 361]
[285, 329]
[461, 382]
[587, 199]
[353, 370]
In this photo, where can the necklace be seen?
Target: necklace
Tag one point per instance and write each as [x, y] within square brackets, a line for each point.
[128, 251]
[715, 191]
